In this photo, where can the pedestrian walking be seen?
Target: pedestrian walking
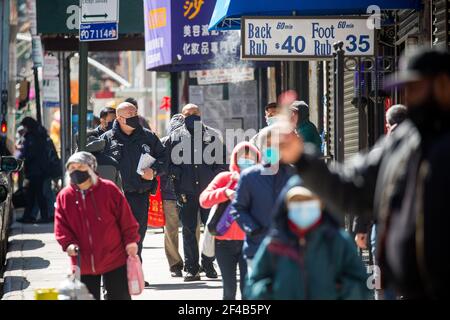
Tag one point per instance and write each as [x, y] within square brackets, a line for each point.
[34, 152]
[107, 117]
[365, 228]
[228, 247]
[107, 167]
[403, 181]
[127, 142]
[271, 112]
[306, 256]
[256, 192]
[93, 219]
[192, 168]
[171, 211]
[305, 128]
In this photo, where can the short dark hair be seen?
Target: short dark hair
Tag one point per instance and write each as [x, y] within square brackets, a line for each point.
[396, 114]
[272, 105]
[105, 111]
[132, 100]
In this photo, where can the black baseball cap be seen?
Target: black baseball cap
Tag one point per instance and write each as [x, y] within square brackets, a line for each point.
[421, 63]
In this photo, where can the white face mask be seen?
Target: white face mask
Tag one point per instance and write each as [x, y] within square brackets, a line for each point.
[304, 214]
[270, 121]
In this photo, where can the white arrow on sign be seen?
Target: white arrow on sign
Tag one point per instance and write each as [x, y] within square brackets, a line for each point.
[99, 11]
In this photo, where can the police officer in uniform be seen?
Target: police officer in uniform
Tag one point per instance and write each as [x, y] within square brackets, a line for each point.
[126, 142]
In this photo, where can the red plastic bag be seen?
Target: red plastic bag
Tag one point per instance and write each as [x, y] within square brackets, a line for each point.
[156, 218]
[135, 276]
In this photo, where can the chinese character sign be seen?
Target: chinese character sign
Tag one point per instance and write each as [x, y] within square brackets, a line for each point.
[193, 42]
[188, 40]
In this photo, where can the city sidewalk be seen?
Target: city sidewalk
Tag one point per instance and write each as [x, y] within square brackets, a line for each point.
[35, 260]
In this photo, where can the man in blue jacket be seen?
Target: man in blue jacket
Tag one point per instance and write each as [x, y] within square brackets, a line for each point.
[257, 192]
[126, 142]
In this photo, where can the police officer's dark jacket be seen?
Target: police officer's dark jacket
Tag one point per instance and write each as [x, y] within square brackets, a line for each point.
[127, 150]
[192, 177]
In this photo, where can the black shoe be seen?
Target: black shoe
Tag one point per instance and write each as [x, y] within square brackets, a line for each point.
[176, 273]
[26, 220]
[190, 277]
[146, 284]
[210, 272]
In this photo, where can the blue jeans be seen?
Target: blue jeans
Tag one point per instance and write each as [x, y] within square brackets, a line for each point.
[50, 197]
[229, 256]
[386, 293]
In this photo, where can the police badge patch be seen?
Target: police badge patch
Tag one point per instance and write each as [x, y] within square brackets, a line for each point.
[146, 148]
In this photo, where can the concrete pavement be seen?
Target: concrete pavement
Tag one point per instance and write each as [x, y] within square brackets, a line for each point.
[35, 260]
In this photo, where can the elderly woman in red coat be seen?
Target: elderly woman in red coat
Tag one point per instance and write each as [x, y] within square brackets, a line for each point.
[94, 220]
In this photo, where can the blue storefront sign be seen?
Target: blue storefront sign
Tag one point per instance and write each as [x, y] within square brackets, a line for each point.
[176, 32]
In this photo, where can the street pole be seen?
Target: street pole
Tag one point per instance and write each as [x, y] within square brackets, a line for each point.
[338, 56]
[37, 94]
[83, 94]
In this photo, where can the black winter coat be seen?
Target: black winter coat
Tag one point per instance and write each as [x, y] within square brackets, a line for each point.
[127, 150]
[404, 181]
[192, 177]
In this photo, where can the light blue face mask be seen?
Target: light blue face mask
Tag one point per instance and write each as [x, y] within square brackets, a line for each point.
[271, 155]
[244, 163]
[270, 121]
[304, 213]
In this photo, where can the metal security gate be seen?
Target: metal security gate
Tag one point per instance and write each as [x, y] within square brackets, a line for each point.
[441, 23]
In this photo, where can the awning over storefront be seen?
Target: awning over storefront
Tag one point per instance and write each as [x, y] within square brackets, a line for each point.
[227, 13]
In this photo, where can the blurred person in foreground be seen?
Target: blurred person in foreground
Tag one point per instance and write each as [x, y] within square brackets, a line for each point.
[403, 181]
[306, 256]
[365, 228]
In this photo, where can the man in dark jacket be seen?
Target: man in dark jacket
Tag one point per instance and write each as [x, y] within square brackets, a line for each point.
[305, 128]
[197, 155]
[404, 181]
[257, 191]
[107, 117]
[34, 153]
[126, 142]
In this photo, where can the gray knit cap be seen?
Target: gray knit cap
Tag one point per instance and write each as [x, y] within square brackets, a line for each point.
[84, 158]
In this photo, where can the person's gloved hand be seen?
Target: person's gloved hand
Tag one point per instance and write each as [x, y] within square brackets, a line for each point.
[132, 249]
[72, 250]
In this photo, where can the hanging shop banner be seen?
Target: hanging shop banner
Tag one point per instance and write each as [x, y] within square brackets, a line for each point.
[176, 32]
[280, 38]
[50, 81]
[215, 76]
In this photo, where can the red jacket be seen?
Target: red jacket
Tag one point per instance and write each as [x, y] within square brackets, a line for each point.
[99, 221]
[215, 192]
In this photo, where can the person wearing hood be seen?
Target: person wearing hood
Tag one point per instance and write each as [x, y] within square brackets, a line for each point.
[33, 152]
[196, 155]
[170, 209]
[306, 256]
[107, 167]
[228, 247]
[126, 142]
[257, 190]
[305, 128]
[93, 219]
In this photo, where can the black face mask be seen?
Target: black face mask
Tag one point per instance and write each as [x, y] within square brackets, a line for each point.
[109, 125]
[189, 121]
[429, 118]
[78, 177]
[133, 122]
